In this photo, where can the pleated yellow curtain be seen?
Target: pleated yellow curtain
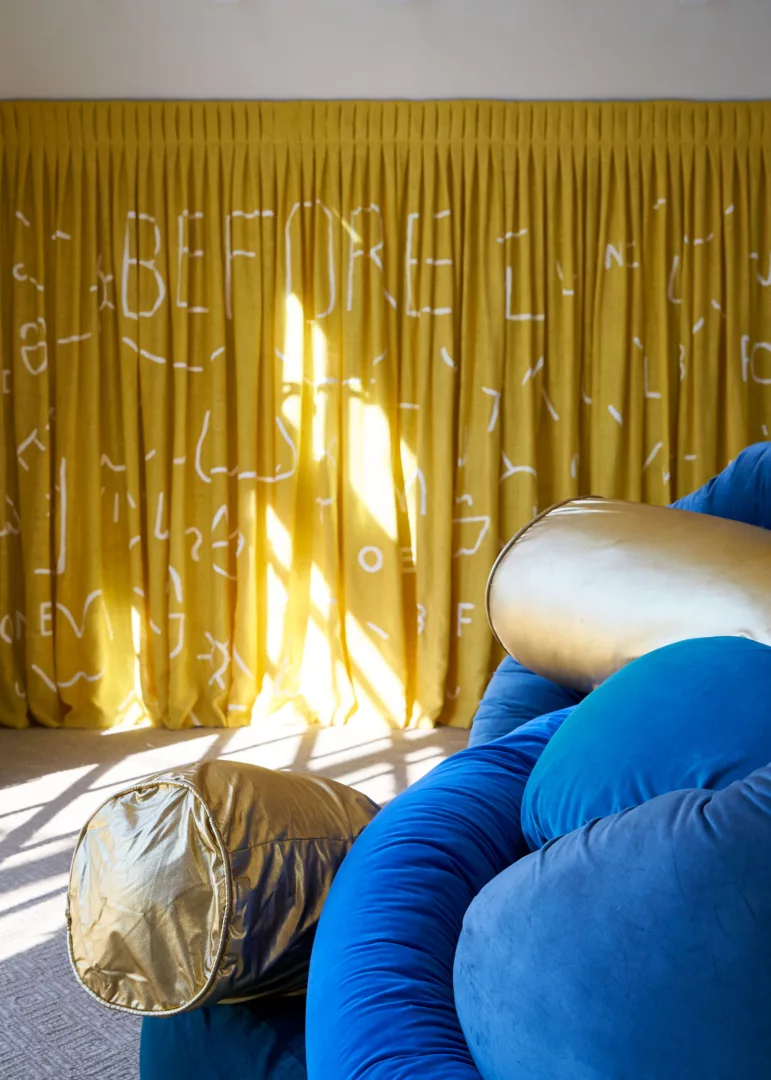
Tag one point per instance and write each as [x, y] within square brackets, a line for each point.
[278, 381]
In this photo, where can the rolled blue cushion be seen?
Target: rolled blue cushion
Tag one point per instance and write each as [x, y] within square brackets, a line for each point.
[638, 947]
[742, 492]
[380, 995]
[258, 1040]
[692, 715]
[514, 697]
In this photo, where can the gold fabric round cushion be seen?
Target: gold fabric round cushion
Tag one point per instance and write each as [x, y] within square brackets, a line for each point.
[595, 583]
[206, 884]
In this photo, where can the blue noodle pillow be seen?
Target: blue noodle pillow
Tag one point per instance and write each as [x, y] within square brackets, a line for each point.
[692, 715]
[258, 1040]
[638, 947]
[380, 995]
[514, 697]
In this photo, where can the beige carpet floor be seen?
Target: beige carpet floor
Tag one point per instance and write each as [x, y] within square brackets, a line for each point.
[50, 783]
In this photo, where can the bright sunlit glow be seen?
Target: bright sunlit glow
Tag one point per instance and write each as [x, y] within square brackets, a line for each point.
[279, 539]
[367, 658]
[369, 466]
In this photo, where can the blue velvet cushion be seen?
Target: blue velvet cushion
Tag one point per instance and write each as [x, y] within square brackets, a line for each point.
[259, 1040]
[742, 492]
[692, 715]
[380, 995]
[514, 697]
[637, 948]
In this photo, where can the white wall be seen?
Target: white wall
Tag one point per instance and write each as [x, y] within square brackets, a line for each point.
[531, 49]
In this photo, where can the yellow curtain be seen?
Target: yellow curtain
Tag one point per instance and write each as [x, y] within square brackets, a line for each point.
[278, 380]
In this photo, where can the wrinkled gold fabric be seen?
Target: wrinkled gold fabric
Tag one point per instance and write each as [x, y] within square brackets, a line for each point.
[593, 584]
[206, 884]
[278, 377]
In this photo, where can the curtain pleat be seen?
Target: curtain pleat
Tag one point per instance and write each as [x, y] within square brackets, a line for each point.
[279, 380]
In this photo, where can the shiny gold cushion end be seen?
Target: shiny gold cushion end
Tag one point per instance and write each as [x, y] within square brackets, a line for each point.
[206, 885]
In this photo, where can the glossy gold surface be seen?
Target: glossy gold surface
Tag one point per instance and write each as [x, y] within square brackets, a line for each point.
[206, 884]
[594, 583]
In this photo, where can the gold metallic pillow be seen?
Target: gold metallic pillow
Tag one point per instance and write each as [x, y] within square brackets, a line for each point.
[206, 884]
[592, 584]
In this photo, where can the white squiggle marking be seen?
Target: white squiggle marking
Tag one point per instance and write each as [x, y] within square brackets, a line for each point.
[496, 396]
[22, 219]
[672, 280]
[217, 353]
[699, 326]
[660, 203]
[381, 633]
[574, 465]
[484, 522]
[199, 448]
[20, 276]
[39, 326]
[224, 648]
[81, 675]
[194, 551]
[239, 663]
[683, 368]
[323, 503]
[467, 499]
[219, 515]
[223, 573]
[110, 465]
[716, 305]
[615, 414]
[729, 209]
[533, 371]
[364, 559]
[765, 281]
[79, 631]
[59, 235]
[764, 429]
[134, 541]
[46, 679]
[179, 617]
[159, 532]
[691, 457]
[177, 582]
[10, 528]
[287, 473]
[74, 339]
[143, 352]
[138, 591]
[331, 262]
[150, 455]
[408, 405]
[512, 470]
[447, 358]
[31, 440]
[552, 411]
[652, 456]
[511, 236]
